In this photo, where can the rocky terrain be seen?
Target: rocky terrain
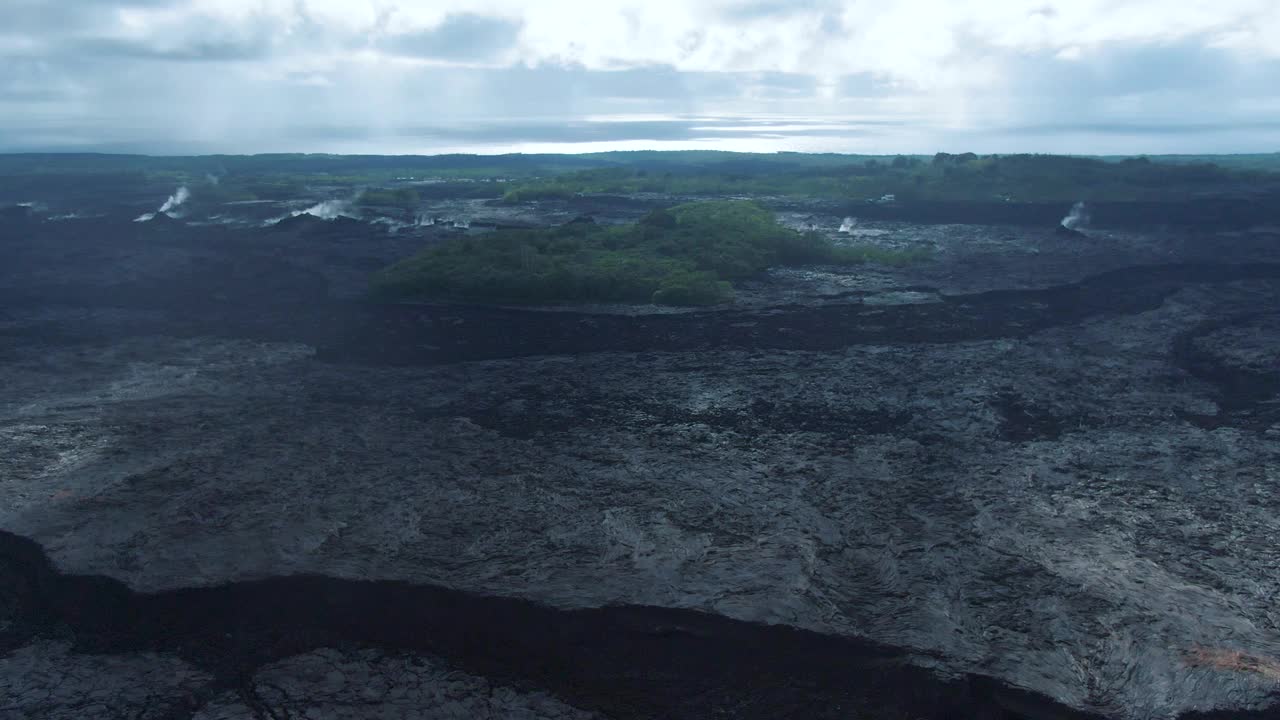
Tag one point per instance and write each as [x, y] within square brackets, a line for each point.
[1033, 477]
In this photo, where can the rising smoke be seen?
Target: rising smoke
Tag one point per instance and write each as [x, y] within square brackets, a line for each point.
[325, 210]
[847, 226]
[328, 210]
[175, 201]
[1078, 218]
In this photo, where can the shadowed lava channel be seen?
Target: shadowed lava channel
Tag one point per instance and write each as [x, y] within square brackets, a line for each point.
[1243, 393]
[623, 661]
[429, 334]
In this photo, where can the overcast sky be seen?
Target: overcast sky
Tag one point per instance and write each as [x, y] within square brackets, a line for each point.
[872, 76]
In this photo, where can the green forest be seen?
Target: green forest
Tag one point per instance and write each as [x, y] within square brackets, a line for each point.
[944, 177]
[517, 178]
[687, 255]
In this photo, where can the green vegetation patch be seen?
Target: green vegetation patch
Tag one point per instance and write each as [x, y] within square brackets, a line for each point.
[687, 255]
[856, 178]
[944, 178]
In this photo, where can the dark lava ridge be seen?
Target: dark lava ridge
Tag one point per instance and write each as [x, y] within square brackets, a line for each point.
[624, 662]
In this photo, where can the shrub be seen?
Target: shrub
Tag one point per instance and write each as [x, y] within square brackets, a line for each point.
[682, 256]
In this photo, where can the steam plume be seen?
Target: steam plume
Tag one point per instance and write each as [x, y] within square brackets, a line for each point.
[1078, 218]
[325, 210]
[328, 210]
[176, 200]
[173, 203]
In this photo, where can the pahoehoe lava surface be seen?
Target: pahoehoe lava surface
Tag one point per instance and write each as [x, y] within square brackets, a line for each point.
[1053, 497]
[624, 662]
[397, 335]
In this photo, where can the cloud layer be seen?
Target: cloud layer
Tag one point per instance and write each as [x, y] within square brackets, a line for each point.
[908, 76]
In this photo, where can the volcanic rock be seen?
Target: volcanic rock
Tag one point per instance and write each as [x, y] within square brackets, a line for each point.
[16, 213]
[1057, 474]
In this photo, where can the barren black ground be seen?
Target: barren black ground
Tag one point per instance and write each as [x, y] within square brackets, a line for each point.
[1031, 477]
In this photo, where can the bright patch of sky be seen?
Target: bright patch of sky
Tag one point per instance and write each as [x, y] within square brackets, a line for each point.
[1103, 76]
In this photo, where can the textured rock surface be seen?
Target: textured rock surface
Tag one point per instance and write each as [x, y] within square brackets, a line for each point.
[46, 680]
[1070, 504]
[365, 685]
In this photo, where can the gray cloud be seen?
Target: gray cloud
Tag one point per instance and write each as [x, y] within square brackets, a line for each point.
[320, 74]
[764, 9]
[476, 134]
[230, 49]
[68, 14]
[1168, 130]
[460, 37]
[865, 85]
[1182, 86]
[1186, 65]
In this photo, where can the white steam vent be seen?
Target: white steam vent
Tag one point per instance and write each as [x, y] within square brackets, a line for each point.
[175, 201]
[1078, 218]
[328, 210]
